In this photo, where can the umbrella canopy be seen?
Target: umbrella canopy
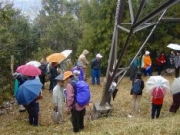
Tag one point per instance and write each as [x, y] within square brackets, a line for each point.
[34, 63]
[158, 92]
[157, 86]
[56, 57]
[174, 46]
[28, 70]
[175, 86]
[66, 52]
[28, 91]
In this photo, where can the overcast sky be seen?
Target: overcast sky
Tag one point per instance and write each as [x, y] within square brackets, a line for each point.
[28, 7]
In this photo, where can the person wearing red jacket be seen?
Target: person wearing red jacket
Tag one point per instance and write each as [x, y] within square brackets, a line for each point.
[156, 107]
[157, 101]
[160, 62]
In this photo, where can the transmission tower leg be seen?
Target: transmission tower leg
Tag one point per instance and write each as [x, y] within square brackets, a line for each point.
[99, 110]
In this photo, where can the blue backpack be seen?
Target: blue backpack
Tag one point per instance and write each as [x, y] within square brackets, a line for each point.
[136, 88]
[82, 92]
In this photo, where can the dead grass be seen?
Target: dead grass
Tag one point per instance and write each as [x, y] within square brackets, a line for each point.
[15, 123]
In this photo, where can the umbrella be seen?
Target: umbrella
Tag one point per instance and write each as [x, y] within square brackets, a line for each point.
[28, 91]
[158, 92]
[175, 86]
[66, 52]
[56, 57]
[174, 46]
[157, 86]
[29, 70]
[34, 63]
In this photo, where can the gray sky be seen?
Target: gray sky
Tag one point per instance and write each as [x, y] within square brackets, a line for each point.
[28, 7]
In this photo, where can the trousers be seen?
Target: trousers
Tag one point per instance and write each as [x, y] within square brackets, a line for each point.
[77, 119]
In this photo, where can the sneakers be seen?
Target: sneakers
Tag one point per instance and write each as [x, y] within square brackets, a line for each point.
[22, 109]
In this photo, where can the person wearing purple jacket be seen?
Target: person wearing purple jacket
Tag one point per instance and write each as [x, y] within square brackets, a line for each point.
[80, 69]
[77, 112]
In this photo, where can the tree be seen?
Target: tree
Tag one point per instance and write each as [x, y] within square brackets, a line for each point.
[57, 28]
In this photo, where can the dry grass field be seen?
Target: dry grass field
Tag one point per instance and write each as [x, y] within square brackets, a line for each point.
[117, 123]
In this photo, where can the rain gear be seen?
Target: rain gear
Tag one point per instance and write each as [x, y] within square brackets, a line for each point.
[82, 58]
[81, 75]
[77, 111]
[58, 99]
[135, 67]
[147, 61]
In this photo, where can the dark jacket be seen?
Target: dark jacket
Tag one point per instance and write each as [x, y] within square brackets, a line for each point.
[96, 64]
[21, 79]
[53, 71]
[43, 69]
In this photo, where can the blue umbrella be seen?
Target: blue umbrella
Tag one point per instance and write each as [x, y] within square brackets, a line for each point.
[28, 91]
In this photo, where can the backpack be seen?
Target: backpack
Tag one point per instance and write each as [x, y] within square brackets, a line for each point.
[82, 92]
[136, 88]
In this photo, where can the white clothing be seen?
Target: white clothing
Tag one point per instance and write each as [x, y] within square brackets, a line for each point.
[58, 99]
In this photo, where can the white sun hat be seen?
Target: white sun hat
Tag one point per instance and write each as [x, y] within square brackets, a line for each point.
[99, 55]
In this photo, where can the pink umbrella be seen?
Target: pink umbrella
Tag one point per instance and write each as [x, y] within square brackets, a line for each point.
[28, 70]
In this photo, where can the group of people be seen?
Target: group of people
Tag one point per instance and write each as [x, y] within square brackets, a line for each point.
[81, 65]
[33, 107]
[144, 64]
[157, 98]
[62, 89]
[60, 98]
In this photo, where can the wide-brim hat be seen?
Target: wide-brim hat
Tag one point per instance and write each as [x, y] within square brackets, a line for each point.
[67, 74]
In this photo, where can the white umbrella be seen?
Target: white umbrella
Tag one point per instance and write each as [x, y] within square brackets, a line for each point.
[157, 86]
[34, 63]
[175, 86]
[66, 52]
[174, 46]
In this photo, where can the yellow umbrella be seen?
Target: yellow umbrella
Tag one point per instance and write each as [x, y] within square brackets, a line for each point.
[56, 57]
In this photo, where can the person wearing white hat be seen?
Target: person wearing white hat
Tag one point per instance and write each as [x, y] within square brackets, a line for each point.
[147, 64]
[96, 69]
[76, 74]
